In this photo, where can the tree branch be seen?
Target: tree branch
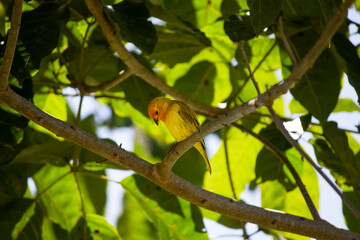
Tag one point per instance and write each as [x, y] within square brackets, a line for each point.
[294, 143]
[180, 187]
[265, 99]
[137, 68]
[10, 45]
[278, 153]
[255, 69]
[286, 42]
[124, 74]
[176, 185]
[271, 147]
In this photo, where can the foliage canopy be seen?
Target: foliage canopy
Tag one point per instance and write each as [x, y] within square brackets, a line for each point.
[200, 49]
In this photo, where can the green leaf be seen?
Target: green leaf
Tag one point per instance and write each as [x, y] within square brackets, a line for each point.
[273, 135]
[145, 123]
[93, 190]
[191, 167]
[3, 8]
[198, 83]
[327, 158]
[97, 228]
[237, 79]
[97, 64]
[13, 183]
[305, 121]
[134, 223]
[80, 8]
[351, 221]
[177, 46]
[229, 7]
[274, 196]
[52, 230]
[21, 219]
[174, 217]
[269, 167]
[239, 28]
[328, 8]
[139, 93]
[349, 53]
[346, 105]
[296, 107]
[263, 13]
[242, 151]
[357, 5]
[200, 13]
[222, 48]
[297, 9]
[224, 220]
[323, 75]
[259, 48]
[54, 152]
[339, 142]
[52, 104]
[30, 224]
[62, 207]
[12, 131]
[40, 30]
[131, 18]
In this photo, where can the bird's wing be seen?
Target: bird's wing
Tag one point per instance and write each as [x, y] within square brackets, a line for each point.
[188, 115]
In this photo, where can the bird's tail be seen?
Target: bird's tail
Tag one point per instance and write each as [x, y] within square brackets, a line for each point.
[200, 146]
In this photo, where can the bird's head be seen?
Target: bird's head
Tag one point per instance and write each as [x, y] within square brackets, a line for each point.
[157, 108]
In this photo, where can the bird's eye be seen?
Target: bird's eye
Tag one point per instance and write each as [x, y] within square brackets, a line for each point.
[156, 112]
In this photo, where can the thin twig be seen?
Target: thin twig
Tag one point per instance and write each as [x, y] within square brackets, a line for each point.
[82, 205]
[124, 74]
[10, 45]
[295, 144]
[275, 150]
[224, 137]
[52, 84]
[103, 177]
[184, 189]
[255, 69]
[163, 170]
[75, 167]
[176, 185]
[248, 67]
[282, 157]
[51, 184]
[286, 43]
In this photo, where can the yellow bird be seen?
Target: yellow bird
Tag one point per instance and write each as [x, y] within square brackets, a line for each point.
[180, 120]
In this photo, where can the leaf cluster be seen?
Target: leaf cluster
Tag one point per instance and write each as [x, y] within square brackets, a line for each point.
[196, 48]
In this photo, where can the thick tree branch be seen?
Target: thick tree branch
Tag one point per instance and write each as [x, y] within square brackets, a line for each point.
[137, 68]
[176, 185]
[10, 45]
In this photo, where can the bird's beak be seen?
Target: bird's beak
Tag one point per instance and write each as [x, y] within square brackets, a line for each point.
[156, 120]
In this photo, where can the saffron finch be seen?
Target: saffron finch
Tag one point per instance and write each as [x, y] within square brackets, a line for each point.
[180, 120]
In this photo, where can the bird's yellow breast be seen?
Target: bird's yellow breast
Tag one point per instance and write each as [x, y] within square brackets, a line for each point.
[179, 127]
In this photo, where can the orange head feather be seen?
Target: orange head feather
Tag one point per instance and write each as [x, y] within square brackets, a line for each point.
[157, 109]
